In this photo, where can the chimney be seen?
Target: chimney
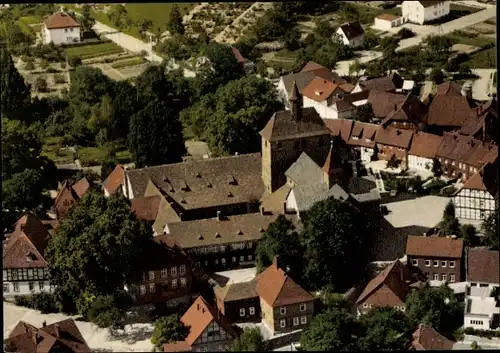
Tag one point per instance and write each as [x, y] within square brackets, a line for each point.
[44, 324]
[218, 215]
[395, 107]
[276, 262]
[284, 207]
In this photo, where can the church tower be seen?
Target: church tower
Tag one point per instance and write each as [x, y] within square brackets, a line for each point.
[332, 169]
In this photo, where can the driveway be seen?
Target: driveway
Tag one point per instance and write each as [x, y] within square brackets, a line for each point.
[481, 88]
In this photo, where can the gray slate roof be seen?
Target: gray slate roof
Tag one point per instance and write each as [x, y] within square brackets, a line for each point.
[306, 196]
[305, 171]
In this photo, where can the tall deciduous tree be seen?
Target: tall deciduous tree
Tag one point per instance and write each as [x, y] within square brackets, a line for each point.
[250, 340]
[175, 25]
[15, 93]
[168, 329]
[98, 247]
[152, 85]
[155, 136]
[335, 235]
[87, 20]
[449, 223]
[489, 227]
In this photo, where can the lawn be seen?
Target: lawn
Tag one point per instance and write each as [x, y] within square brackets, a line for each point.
[94, 50]
[129, 62]
[460, 37]
[485, 59]
[368, 13]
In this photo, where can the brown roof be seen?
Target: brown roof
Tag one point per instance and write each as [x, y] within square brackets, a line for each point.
[484, 179]
[385, 84]
[424, 144]
[114, 180]
[384, 102]
[179, 346]
[276, 288]
[60, 336]
[283, 125]
[81, 187]
[434, 246]
[363, 134]
[410, 110]
[339, 127]
[60, 20]
[211, 231]
[199, 316]
[394, 137]
[483, 266]
[145, 207]
[449, 89]
[312, 66]
[340, 104]
[237, 55]
[448, 110]
[426, 338]
[203, 183]
[319, 89]
[387, 17]
[393, 277]
[481, 153]
[466, 149]
[274, 202]
[429, 3]
[166, 213]
[237, 291]
[352, 29]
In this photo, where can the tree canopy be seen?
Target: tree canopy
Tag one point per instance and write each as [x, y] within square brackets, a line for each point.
[15, 93]
[97, 249]
[250, 340]
[87, 20]
[489, 227]
[168, 329]
[449, 224]
[155, 136]
[175, 25]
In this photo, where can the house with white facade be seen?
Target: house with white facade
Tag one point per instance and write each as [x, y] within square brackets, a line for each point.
[421, 12]
[476, 199]
[481, 307]
[423, 149]
[25, 270]
[387, 21]
[351, 34]
[61, 28]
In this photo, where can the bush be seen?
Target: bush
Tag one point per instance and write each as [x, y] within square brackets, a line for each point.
[41, 85]
[46, 303]
[59, 78]
[44, 64]
[29, 65]
[405, 33]
[63, 64]
[74, 61]
[26, 58]
[394, 162]
[480, 333]
[51, 70]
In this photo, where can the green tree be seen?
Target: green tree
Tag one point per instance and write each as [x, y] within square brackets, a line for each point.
[281, 240]
[250, 340]
[490, 230]
[393, 162]
[436, 168]
[436, 76]
[364, 113]
[335, 235]
[97, 249]
[386, 329]
[435, 307]
[388, 45]
[175, 25]
[15, 93]
[370, 40]
[168, 329]
[334, 330]
[109, 310]
[41, 84]
[438, 43]
[475, 347]
[87, 20]
[449, 223]
[468, 234]
[405, 33]
[155, 136]
[152, 85]
[108, 165]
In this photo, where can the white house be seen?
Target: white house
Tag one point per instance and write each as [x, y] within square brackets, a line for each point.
[475, 200]
[352, 34]
[480, 308]
[423, 149]
[25, 270]
[421, 12]
[387, 21]
[61, 28]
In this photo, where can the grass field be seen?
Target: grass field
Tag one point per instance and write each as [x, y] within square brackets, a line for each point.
[368, 13]
[90, 51]
[459, 37]
[485, 59]
[128, 62]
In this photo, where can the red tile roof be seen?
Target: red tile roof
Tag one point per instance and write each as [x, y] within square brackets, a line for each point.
[448, 110]
[179, 346]
[237, 55]
[449, 89]
[339, 127]
[365, 134]
[319, 89]
[60, 20]
[387, 17]
[434, 246]
[145, 207]
[352, 30]
[384, 102]
[114, 180]
[424, 145]
[426, 338]
[410, 110]
[483, 266]
[276, 288]
[394, 137]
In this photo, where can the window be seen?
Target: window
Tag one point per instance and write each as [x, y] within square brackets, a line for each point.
[65, 30]
[251, 310]
[452, 264]
[295, 321]
[223, 261]
[6, 288]
[151, 275]
[282, 323]
[41, 285]
[436, 277]
[242, 312]
[452, 278]
[14, 274]
[365, 305]
[164, 272]
[303, 307]
[183, 282]
[303, 320]
[414, 262]
[16, 287]
[205, 262]
[436, 263]
[31, 286]
[233, 259]
[427, 263]
[280, 144]
[143, 289]
[173, 271]
[242, 258]
[174, 283]
[283, 310]
[216, 261]
[443, 263]
[71, 29]
[403, 308]
[443, 277]
[249, 257]
[152, 287]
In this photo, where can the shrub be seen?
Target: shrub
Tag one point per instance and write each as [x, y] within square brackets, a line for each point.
[41, 85]
[25, 58]
[59, 78]
[394, 162]
[44, 302]
[44, 64]
[51, 70]
[29, 65]
[405, 33]
[63, 64]
[74, 61]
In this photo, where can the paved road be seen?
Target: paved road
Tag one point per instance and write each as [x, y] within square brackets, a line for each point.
[481, 87]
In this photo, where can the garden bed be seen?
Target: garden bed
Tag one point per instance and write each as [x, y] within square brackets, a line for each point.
[94, 50]
[129, 62]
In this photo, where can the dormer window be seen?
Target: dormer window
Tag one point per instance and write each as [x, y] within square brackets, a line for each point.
[31, 257]
[318, 93]
[355, 137]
